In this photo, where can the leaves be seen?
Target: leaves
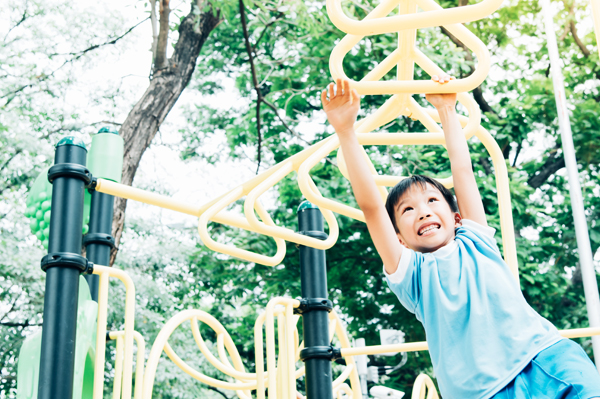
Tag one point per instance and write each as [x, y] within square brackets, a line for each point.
[292, 41]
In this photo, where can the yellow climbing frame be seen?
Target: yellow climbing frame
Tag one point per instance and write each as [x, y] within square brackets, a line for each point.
[399, 104]
[278, 321]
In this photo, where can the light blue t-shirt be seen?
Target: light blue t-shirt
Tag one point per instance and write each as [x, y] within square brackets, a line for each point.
[480, 330]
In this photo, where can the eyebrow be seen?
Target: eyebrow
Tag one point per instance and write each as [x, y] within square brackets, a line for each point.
[429, 191]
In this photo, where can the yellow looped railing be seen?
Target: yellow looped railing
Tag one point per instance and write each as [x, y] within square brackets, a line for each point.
[279, 378]
[424, 386]
[256, 219]
[283, 352]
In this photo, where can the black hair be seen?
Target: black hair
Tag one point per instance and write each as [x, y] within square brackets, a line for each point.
[404, 185]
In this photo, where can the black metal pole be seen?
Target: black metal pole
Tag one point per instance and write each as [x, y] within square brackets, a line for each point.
[98, 240]
[63, 264]
[317, 354]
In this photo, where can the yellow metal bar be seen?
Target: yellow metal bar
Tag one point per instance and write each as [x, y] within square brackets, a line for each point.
[101, 332]
[282, 363]
[139, 361]
[118, 369]
[380, 25]
[104, 273]
[580, 332]
[212, 359]
[161, 344]
[408, 86]
[270, 339]
[424, 384]
[269, 227]
[202, 377]
[379, 349]
[259, 359]
[290, 329]
[350, 362]
[231, 197]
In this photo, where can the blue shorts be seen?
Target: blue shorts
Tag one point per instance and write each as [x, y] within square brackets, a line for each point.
[562, 370]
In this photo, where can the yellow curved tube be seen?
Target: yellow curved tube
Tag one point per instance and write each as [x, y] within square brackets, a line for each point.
[105, 272]
[215, 208]
[378, 25]
[230, 249]
[118, 370]
[161, 344]
[423, 385]
[350, 362]
[219, 365]
[139, 361]
[371, 83]
[270, 229]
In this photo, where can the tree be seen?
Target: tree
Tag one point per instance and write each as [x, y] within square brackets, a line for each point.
[276, 52]
[169, 78]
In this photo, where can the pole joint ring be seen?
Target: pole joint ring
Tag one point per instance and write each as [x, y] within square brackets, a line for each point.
[310, 304]
[68, 260]
[320, 352]
[70, 170]
[98, 238]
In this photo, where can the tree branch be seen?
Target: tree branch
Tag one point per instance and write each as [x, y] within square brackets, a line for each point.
[570, 27]
[23, 19]
[26, 324]
[259, 97]
[142, 123]
[267, 26]
[154, 24]
[477, 92]
[160, 61]
[289, 129]
[519, 148]
[217, 390]
[20, 150]
[553, 163]
[578, 41]
[76, 56]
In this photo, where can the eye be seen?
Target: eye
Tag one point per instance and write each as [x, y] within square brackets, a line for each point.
[432, 199]
[408, 208]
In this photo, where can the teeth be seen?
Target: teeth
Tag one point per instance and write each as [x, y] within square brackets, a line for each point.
[431, 227]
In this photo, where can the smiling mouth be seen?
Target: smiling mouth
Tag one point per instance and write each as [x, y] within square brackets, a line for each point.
[428, 228]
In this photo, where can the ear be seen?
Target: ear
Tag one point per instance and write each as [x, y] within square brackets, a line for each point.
[457, 219]
[401, 240]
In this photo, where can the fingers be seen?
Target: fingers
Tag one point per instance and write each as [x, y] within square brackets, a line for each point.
[355, 96]
[324, 99]
[339, 90]
[445, 78]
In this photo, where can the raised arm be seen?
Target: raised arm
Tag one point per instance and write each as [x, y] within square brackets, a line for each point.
[342, 108]
[465, 187]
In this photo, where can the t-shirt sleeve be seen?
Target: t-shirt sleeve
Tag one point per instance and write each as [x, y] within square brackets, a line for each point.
[407, 287]
[481, 229]
[483, 234]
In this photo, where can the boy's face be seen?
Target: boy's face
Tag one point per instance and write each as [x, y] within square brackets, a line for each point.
[425, 220]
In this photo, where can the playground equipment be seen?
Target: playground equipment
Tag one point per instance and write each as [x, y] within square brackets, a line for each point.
[281, 340]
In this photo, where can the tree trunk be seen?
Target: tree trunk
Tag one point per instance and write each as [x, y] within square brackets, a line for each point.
[166, 86]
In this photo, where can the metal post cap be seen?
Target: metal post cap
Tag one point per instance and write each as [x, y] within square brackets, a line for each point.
[306, 205]
[108, 129]
[71, 140]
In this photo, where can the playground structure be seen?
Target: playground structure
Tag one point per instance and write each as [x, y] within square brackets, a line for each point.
[281, 339]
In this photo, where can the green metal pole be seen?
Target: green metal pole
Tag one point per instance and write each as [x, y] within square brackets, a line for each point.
[105, 161]
[317, 353]
[63, 264]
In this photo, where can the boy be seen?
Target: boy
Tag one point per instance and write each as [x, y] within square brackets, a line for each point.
[484, 340]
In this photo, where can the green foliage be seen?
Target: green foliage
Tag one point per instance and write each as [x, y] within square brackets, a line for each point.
[291, 43]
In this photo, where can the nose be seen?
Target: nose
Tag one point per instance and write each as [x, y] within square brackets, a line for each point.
[425, 216]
